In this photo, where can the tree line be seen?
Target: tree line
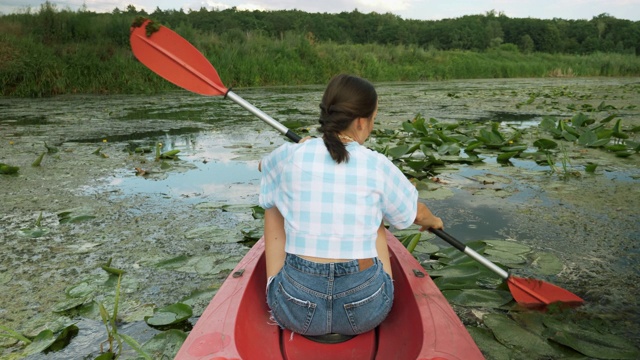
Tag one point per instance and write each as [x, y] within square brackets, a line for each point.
[49, 51]
[602, 33]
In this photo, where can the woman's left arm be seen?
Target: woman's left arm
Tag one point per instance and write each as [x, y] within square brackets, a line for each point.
[274, 240]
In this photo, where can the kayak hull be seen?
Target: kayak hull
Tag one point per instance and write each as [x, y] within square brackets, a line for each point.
[421, 324]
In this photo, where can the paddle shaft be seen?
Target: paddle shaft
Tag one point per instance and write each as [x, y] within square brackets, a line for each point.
[263, 116]
[472, 253]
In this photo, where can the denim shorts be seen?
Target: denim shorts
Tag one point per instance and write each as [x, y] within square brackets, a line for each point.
[312, 298]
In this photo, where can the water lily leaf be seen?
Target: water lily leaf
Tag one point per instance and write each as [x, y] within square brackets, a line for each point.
[547, 263]
[426, 247]
[173, 263]
[133, 344]
[211, 234]
[398, 151]
[516, 148]
[63, 338]
[591, 342]
[508, 246]
[453, 256]
[6, 169]
[461, 270]
[623, 154]
[199, 299]
[33, 233]
[545, 144]
[447, 283]
[505, 157]
[590, 167]
[82, 289]
[504, 257]
[478, 297]
[257, 212]
[41, 342]
[68, 304]
[165, 345]
[512, 335]
[487, 342]
[168, 315]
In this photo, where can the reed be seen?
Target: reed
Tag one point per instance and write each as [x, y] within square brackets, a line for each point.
[33, 68]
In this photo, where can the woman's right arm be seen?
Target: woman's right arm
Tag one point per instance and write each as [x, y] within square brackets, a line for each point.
[426, 219]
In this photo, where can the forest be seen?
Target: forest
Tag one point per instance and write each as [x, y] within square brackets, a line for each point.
[48, 51]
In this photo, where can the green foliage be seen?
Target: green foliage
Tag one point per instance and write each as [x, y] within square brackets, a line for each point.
[53, 51]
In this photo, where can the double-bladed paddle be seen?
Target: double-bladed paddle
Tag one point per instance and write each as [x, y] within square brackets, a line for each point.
[175, 59]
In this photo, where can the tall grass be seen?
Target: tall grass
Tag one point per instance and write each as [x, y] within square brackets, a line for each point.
[31, 68]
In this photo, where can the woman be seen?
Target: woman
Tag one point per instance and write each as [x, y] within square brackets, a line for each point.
[325, 199]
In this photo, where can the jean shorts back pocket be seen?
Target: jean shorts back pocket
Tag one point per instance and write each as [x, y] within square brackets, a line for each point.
[292, 312]
[369, 312]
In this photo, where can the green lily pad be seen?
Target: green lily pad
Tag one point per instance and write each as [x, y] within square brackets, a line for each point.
[68, 304]
[467, 269]
[512, 335]
[446, 283]
[165, 345]
[489, 345]
[478, 297]
[508, 246]
[41, 342]
[504, 257]
[591, 342]
[426, 247]
[545, 144]
[173, 263]
[547, 263]
[200, 299]
[33, 233]
[168, 315]
[211, 234]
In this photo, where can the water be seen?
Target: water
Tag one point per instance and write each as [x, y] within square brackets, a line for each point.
[590, 222]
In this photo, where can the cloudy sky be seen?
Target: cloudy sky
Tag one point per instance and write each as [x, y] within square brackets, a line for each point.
[408, 9]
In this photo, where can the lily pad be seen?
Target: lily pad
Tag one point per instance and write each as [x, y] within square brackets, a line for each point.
[199, 299]
[34, 232]
[446, 283]
[165, 345]
[505, 258]
[489, 345]
[467, 269]
[478, 297]
[547, 263]
[508, 246]
[171, 314]
[41, 342]
[211, 233]
[591, 342]
[512, 335]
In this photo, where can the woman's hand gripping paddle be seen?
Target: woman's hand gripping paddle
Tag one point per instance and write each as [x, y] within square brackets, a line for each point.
[175, 59]
[526, 292]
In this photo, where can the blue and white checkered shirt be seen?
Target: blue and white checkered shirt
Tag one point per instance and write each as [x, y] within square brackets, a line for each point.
[334, 210]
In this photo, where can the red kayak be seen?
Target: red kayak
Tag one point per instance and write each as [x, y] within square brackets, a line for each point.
[421, 325]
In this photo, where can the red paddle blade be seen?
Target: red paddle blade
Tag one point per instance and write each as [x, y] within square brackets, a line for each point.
[175, 59]
[536, 293]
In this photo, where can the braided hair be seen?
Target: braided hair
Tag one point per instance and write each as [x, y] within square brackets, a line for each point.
[345, 99]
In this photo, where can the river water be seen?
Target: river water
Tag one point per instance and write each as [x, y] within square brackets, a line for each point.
[199, 207]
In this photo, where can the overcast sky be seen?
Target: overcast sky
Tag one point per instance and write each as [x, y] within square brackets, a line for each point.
[407, 9]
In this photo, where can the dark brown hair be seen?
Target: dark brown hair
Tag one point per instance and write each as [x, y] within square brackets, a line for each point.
[346, 98]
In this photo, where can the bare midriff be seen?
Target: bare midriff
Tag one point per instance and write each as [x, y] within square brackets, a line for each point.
[323, 260]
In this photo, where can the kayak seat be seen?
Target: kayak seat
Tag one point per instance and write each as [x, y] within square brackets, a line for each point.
[330, 338]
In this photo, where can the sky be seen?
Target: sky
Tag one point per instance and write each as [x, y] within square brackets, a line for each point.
[407, 9]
